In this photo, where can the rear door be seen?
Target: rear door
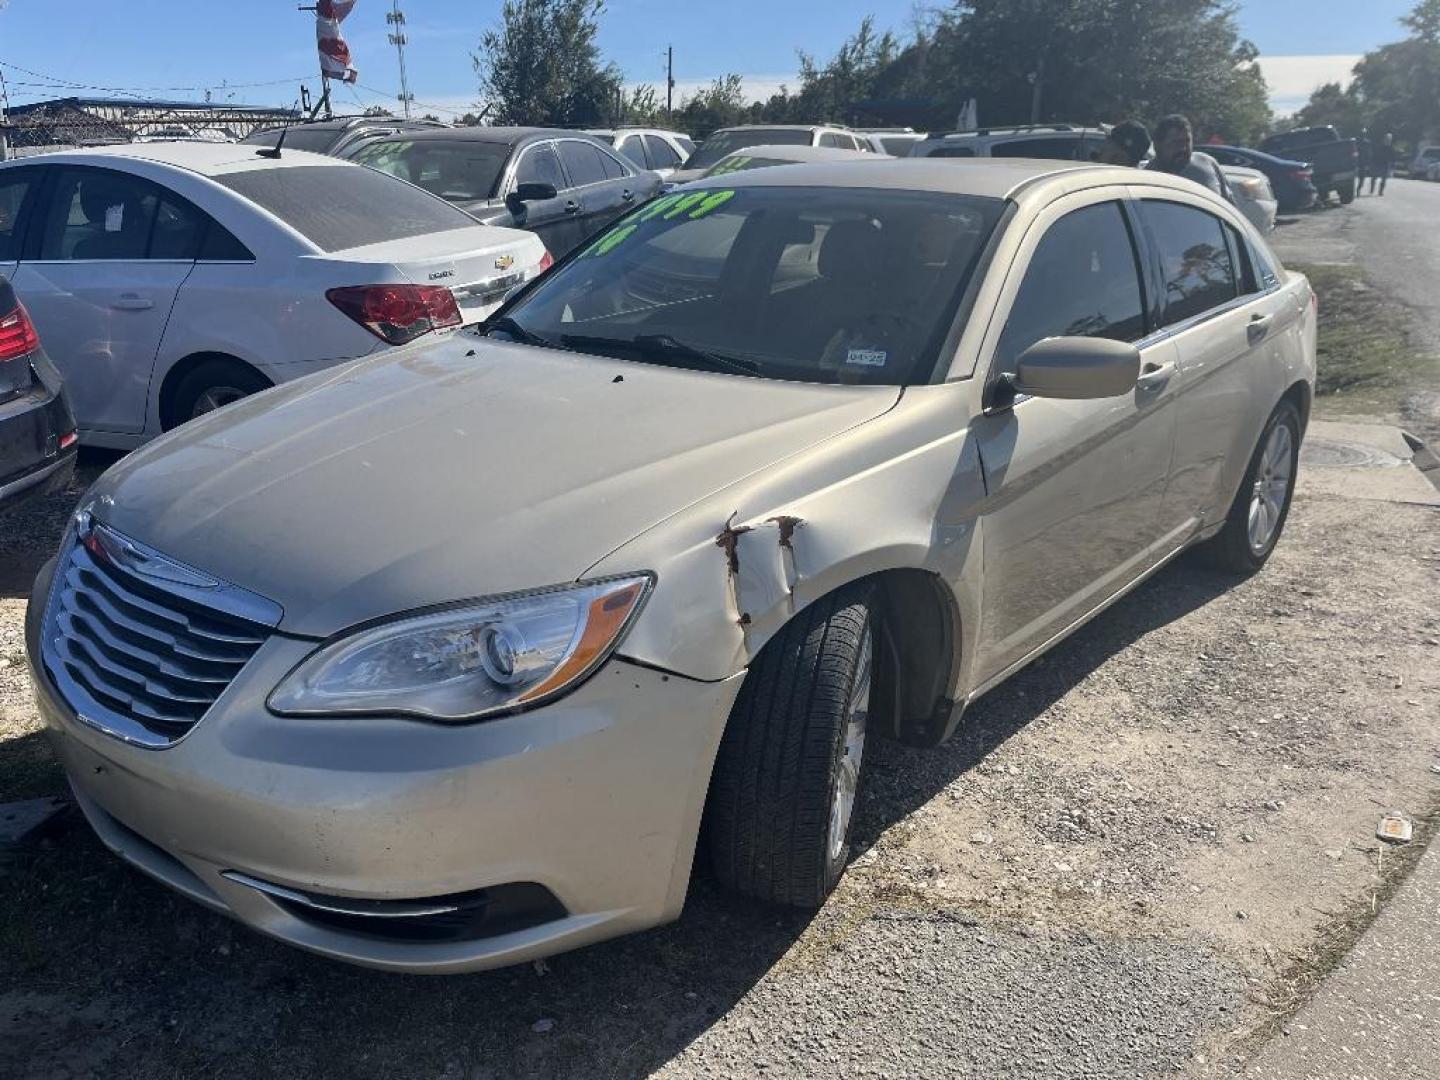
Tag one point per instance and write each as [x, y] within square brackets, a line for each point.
[602, 187]
[99, 276]
[1223, 316]
[1074, 487]
[664, 158]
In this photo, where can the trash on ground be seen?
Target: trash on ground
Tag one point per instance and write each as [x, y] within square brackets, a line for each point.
[1395, 827]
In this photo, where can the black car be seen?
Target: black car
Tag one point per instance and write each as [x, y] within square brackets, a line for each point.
[563, 185]
[37, 430]
[1292, 181]
[337, 135]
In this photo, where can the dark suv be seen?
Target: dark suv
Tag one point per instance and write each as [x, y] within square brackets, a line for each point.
[335, 137]
[563, 185]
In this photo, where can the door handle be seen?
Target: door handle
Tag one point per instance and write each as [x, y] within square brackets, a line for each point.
[1259, 326]
[130, 301]
[1154, 376]
[572, 207]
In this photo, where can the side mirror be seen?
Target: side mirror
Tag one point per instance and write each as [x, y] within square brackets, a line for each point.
[1077, 368]
[528, 192]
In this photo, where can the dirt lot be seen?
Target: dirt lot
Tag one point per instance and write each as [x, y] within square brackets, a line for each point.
[1135, 860]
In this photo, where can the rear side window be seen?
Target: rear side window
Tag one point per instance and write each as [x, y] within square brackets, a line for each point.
[1195, 261]
[829, 138]
[614, 168]
[15, 185]
[952, 151]
[1083, 281]
[220, 245]
[685, 144]
[582, 163]
[340, 206]
[662, 154]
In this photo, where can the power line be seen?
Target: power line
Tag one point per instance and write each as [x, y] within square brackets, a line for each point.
[56, 82]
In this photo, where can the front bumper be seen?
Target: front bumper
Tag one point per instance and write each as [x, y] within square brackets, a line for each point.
[596, 799]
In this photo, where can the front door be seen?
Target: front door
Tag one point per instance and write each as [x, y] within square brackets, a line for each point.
[556, 221]
[1073, 487]
[100, 286]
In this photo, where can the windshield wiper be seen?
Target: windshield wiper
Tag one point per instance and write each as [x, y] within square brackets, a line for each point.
[663, 346]
[506, 325]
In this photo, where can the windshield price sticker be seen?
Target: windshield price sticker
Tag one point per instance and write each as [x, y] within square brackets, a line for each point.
[867, 357]
[687, 205]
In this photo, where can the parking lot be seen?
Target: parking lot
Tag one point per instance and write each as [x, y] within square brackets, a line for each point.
[1137, 858]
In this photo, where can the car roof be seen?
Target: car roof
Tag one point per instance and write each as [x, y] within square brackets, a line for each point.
[795, 153]
[1000, 178]
[508, 136]
[784, 127]
[207, 159]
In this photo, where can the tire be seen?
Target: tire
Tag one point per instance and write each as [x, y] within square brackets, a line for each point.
[777, 826]
[1234, 549]
[1347, 193]
[211, 384]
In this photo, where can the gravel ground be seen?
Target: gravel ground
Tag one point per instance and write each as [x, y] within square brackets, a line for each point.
[1136, 856]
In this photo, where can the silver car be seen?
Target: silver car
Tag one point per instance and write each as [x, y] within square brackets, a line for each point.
[448, 659]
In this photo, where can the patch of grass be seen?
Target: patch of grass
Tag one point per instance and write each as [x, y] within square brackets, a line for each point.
[1367, 359]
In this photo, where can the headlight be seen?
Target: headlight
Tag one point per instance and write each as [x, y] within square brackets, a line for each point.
[470, 661]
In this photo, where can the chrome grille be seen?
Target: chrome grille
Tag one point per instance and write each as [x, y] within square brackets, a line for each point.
[141, 646]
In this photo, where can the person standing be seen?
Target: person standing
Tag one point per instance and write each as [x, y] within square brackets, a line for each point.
[1362, 160]
[1127, 144]
[1175, 153]
[1382, 161]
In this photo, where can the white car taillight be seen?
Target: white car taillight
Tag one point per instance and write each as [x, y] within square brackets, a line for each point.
[397, 313]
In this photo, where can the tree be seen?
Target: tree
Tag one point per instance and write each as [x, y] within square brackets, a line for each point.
[542, 65]
[1424, 21]
[643, 107]
[1102, 60]
[721, 104]
[1335, 106]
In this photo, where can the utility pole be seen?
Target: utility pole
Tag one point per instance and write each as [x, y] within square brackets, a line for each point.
[670, 83]
[396, 18]
[1037, 81]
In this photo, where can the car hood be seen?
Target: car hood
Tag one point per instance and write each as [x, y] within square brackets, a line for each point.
[465, 468]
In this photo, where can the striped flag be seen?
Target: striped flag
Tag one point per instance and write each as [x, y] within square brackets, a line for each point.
[334, 53]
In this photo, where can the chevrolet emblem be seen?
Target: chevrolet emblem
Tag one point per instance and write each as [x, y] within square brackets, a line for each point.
[504, 262]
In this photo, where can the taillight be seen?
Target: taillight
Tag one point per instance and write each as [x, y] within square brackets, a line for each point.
[1300, 174]
[17, 334]
[546, 261]
[397, 313]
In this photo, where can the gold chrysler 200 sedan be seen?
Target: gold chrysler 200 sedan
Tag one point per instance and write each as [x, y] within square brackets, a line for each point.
[447, 659]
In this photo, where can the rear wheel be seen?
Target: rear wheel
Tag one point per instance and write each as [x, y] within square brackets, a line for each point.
[210, 385]
[1347, 193]
[786, 778]
[1257, 516]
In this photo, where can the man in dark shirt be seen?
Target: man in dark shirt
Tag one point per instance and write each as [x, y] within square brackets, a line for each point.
[1362, 160]
[1382, 161]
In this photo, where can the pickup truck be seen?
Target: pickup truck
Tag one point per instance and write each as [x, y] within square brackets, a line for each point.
[1333, 160]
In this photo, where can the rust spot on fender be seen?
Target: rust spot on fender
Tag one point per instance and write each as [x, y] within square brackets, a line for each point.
[787, 524]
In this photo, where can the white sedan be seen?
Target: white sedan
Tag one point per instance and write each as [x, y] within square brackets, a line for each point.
[1254, 197]
[168, 279]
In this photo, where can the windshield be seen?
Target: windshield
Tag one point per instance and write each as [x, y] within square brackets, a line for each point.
[732, 163]
[341, 206]
[465, 170]
[723, 142]
[813, 284]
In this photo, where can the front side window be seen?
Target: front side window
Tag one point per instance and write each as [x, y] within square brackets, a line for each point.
[1196, 266]
[540, 165]
[829, 138]
[809, 284]
[1083, 281]
[99, 214]
[464, 170]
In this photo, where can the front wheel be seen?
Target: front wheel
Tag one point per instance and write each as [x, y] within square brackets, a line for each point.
[786, 778]
[1257, 516]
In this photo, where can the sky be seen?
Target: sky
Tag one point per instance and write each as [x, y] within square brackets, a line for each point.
[257, 51]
